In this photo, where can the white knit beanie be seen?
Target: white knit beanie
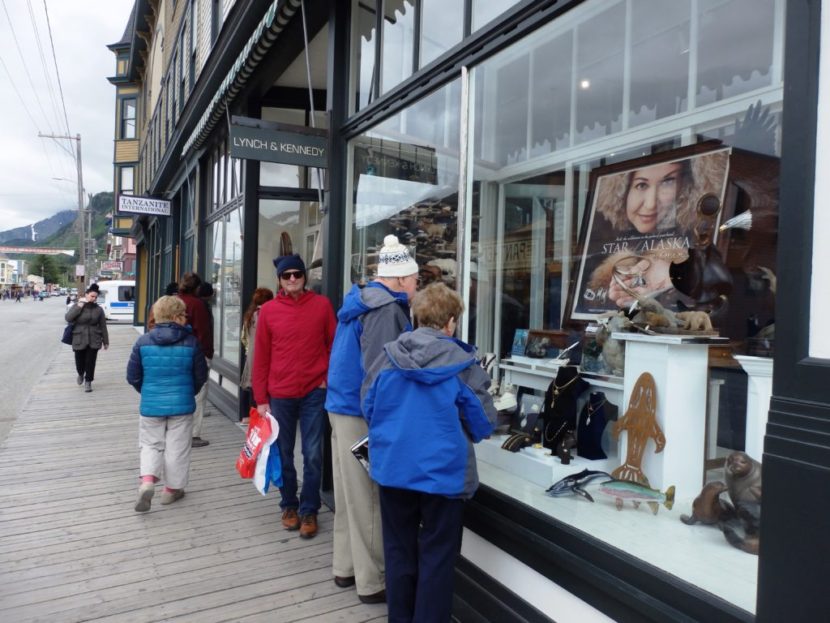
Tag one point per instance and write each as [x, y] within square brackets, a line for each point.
[394, 259]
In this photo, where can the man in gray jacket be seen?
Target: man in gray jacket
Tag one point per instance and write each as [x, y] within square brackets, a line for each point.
[370, 317]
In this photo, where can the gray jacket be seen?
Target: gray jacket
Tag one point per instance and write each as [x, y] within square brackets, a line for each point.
[90, 329]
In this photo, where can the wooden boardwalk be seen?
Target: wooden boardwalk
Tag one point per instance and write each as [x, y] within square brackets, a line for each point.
[72, 548]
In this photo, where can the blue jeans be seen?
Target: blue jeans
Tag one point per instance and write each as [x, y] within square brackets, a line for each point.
[308, 411]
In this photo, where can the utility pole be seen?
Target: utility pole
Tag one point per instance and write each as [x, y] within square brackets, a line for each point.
[82, 228]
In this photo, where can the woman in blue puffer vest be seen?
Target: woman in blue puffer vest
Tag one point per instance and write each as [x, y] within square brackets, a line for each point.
[168, 368]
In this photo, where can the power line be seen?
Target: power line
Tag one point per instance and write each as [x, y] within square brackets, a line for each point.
[49, 86]
[57, 71]
[25, 67]
[14, 86]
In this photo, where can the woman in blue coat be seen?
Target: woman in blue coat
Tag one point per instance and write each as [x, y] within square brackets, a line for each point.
[168, 368]
[426, 404]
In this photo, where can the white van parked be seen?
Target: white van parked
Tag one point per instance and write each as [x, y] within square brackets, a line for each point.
[118, 299]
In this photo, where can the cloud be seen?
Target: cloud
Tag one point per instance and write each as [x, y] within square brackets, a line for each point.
[81, 32]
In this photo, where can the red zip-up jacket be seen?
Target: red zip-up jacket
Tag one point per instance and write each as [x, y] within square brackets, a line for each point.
[199, 320]
[292, 347]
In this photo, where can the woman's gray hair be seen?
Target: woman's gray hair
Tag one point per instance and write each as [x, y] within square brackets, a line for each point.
[167, 308]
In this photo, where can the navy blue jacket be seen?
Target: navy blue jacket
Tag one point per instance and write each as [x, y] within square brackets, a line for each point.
[426, 403]
[370, 317]
[168, 368]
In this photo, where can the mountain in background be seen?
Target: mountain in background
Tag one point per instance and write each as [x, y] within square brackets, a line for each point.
[40, 231]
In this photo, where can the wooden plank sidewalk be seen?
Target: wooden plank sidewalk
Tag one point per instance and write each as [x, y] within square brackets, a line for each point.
[73, 549]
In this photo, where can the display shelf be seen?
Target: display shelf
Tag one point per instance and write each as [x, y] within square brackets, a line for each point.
[759, 390]
[528, 372]
[679, 365]
[696, 554]
[536, 465]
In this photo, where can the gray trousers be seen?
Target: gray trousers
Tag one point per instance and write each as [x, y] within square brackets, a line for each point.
[164, 443]
[358, 538]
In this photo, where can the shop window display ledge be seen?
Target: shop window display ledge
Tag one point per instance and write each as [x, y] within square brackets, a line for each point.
[616, 583]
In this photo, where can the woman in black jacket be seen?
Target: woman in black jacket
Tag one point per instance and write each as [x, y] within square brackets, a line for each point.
[88, 335]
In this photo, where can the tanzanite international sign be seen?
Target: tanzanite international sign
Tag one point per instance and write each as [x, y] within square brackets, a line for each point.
[143, 205]
[255, 139]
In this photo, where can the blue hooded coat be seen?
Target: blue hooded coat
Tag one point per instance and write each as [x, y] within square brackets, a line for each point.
[168, 368]
[370, 317]
[426, 403]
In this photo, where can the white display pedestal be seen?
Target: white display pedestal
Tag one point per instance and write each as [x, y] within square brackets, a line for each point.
[680, 367]
[758, 392]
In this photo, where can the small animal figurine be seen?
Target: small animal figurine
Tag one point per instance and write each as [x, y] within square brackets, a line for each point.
[563, 447]
[747, 519]
[575, 484]
[743, 478]
[640, 422]
[708, 508]
[743, 483]
[622, 490]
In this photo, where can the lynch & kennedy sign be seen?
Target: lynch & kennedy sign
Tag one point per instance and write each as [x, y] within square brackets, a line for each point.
[298, 145]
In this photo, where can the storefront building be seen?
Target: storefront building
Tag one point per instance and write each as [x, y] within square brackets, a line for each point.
[549, 160]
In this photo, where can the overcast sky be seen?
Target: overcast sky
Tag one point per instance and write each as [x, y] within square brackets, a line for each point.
[81, 32]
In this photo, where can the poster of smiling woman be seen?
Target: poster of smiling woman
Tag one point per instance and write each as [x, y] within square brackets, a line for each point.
[642, 219]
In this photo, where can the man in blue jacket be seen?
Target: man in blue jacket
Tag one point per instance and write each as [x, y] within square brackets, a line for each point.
[426, 403]
[168, 368]
[370, 317]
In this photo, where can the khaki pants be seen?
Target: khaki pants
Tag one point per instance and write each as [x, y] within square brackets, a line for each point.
[165, 443]
[358, 539]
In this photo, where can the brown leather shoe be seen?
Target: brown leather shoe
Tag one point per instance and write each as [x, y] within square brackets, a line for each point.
[308, 526]
[344, 581]
[290, 519]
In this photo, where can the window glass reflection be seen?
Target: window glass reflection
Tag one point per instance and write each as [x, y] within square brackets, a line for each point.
[599, 74]
[660, 52]
[743, 27]
[442, 24]
[398, 42]
[365, 22]
[406, 183]
[228, 288]
[486, 10]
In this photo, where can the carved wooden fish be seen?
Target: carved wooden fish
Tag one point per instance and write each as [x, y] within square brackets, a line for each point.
[627, 490]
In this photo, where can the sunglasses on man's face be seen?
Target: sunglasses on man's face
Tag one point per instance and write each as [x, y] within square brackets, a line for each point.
[292, 274]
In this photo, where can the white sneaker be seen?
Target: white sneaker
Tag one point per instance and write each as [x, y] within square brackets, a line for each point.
[145, 494]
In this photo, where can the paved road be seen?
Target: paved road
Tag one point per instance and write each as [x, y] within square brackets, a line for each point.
[30, 334]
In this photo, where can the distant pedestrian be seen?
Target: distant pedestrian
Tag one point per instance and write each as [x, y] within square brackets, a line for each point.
[202, 326]
[89, 334]
[370, 317]
[294, 334]
[167, 368]
[426, 403]
[248, 338]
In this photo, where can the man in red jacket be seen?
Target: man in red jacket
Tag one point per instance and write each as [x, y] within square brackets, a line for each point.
[295, 331]
[201, 323]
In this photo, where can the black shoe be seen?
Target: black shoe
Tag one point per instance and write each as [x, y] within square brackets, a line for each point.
[80, 379]
[374, 598]
[198, 442]
[344, 581]
[88, 386]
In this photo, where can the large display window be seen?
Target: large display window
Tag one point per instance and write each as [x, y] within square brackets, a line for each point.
[635, 166]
